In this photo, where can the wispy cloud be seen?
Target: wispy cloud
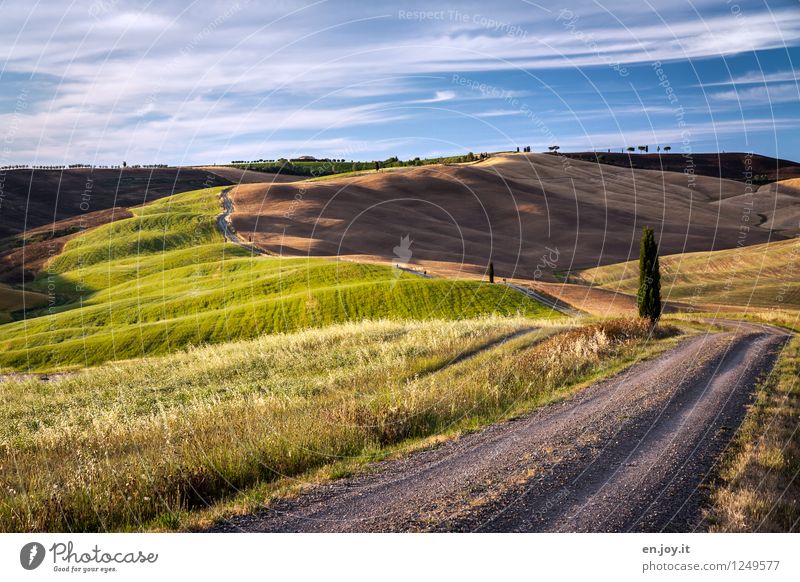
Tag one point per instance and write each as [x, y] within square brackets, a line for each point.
[167, 82]
[762, 95]
[498, 113]
[756, 77]
[438, 97]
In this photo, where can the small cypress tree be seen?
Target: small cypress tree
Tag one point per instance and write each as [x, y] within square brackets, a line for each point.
[491, 272]
[649, 295]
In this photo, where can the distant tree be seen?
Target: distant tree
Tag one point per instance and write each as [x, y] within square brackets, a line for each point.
[491, 272]
[124, 164]
[642, 148]
[631, 149]
[377, 166]
[470, 157]
[517, 149]
[667, 148]
[648, 298]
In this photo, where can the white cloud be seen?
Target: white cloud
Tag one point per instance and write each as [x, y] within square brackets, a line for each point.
[761, 95]
[438, 97]
[498, 113]
[756, 77]
[179, 78]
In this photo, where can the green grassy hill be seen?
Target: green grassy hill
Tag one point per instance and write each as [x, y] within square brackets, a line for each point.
[165, 279]
[764, 275]
[12, 300]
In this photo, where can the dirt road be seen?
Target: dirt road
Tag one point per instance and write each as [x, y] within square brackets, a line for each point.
[632, 453]
[224, 224]
[552, 303]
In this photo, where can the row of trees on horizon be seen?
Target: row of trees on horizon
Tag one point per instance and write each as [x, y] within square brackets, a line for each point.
[276, 165]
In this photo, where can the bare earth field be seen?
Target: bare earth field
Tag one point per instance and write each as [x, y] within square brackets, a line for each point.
[25, 254]
[531, 214]
[777, 205]
[241, 176]
[727, 165]
[33, 198]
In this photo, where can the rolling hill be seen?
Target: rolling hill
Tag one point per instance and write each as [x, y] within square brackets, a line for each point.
[763, 276]
[726, 165]
[531, 214]
[23, 255]
[242, 176]
[34, 198]
[12, 300]
[165, 279]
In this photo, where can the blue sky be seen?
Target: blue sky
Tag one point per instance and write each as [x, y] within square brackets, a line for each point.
[168, 82]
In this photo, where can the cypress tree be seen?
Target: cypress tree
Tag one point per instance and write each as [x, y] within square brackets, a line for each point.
[649, 295]
[491, 272]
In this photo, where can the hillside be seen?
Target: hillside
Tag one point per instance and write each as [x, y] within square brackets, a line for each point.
[165, 279]
[531, 214]
[777, 204]
[33, 198]
[23, 255]
[764, 276]
[12, 300]
[242, 176]
[727, 165]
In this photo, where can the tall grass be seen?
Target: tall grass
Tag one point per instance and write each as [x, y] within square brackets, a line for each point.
[125, 445]
[760, 276]
[760, 489]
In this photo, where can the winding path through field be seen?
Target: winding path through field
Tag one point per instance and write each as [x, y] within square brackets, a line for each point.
[631, 453]
[224, 224]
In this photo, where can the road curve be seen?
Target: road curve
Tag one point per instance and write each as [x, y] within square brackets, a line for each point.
[224, 224]
[631, 453]
[552, 303]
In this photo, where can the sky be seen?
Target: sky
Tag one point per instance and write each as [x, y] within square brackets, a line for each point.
[183, 83]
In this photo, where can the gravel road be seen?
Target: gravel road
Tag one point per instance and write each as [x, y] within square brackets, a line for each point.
[631, 453]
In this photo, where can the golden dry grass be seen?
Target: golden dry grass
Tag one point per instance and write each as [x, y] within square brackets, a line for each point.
[760, 276]
[761, 490]
[132, 445]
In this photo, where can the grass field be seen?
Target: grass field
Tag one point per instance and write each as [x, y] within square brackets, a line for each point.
[165, 279]
[142, 444]
[759, 489]
[764, 275]
[12, 300]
